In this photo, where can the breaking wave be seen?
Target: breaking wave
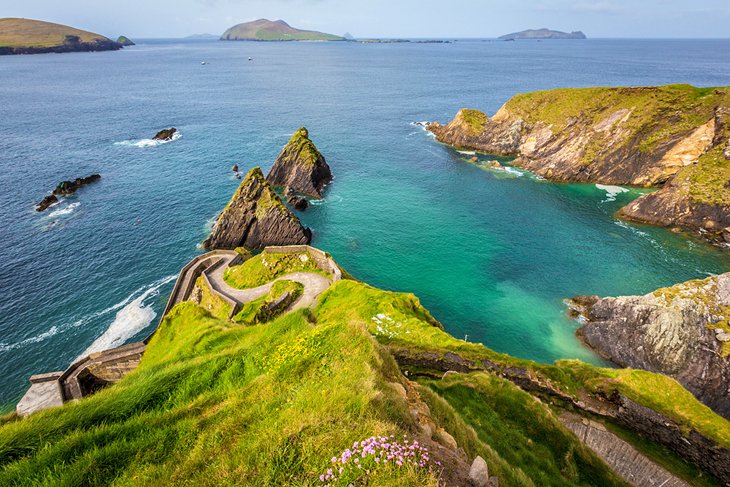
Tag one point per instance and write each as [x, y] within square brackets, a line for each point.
[67, 210]
[143, 143]
[135, 315]
[611, 191]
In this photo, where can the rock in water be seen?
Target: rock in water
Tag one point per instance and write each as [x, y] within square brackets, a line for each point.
[125, 41]
[300, 167]
[296, 201]
[678, 331]
[165, 134]
[65, 188]
[256, 217]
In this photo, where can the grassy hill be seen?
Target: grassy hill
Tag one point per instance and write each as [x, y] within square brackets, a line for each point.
[267, 30]
[281, 403]
[31, 36]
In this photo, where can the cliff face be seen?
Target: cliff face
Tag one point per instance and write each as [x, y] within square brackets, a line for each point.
[680, 331]
[256, 217]
[300, 167]
[671, 136]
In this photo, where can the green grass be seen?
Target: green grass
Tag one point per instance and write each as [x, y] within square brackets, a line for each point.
[256, 311]
[523, 431]
[216, 403]
[265, 267]
[305, 150]
[474, 120]
[205, 409]
[212, 302]
[36, 33]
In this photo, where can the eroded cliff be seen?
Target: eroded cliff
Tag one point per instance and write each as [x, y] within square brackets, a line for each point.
[674, 137]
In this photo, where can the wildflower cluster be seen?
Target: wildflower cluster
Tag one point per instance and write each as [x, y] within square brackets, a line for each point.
[387, 326]
[375, 452]
[304, 347]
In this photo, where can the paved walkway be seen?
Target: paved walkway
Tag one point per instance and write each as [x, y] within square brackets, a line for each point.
[314, 285]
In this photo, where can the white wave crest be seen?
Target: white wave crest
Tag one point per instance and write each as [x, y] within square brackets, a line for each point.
[67, 210]
[134, 317]
[144, 143]
[611, 191]
[467, 152]
[424, 126]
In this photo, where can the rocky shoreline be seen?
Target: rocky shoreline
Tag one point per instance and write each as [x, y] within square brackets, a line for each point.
[676, 138]
[71, 44]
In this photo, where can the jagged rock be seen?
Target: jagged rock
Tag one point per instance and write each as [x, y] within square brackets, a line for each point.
[599, 135]
[165, 134]
[300, 167]
[235, 168]
[479, 473]
[672, 331]
[256, 217]
[295, 200]
[65, 188]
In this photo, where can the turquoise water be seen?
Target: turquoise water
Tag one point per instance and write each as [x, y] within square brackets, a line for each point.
[492, 254]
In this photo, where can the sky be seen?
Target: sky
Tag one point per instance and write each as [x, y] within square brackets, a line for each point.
[388, 18]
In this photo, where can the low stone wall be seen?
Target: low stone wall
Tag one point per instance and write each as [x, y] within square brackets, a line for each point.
[322, 259]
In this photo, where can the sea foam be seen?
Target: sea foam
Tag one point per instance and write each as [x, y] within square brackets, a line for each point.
[134, 317]
[611, 191]
[144, 143]
[67, 210]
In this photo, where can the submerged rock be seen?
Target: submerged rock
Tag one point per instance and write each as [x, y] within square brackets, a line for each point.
[678, 331]
[301, 167]
[65, 188]
[256, 217]
[165, 134]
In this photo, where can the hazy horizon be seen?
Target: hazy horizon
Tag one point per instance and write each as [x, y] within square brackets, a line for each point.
[382, 18]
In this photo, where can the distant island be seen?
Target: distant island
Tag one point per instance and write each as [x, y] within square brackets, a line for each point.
[266, 30]
[543, 34]
[27, 36]
[203, 36]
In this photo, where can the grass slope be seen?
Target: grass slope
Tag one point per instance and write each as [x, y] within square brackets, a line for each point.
[36, 33]
[216, 403]
[265, 267]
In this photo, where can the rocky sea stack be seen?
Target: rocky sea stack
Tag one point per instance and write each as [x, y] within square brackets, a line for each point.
[300, 167]
[680, 331]
[674, 137]
[256, 217]
[125, 41]
[65, 188]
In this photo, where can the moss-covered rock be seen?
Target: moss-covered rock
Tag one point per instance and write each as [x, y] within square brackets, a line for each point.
[669, 136]
[300, 167]
[256, 217]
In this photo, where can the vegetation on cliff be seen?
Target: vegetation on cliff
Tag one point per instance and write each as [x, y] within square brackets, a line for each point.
[217, 403]
[266, 267]
[674, 137]
[300, 167]
[256, 217]
[27, 36]
[267, 30]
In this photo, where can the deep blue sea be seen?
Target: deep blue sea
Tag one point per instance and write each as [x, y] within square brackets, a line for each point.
[492, 254]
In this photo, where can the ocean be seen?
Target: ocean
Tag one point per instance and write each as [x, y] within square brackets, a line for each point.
[491, 253]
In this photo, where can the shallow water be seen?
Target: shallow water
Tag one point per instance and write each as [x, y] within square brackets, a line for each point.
[491, 253]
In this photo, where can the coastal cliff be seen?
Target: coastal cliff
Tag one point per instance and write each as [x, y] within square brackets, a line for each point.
[681, 331]
[672, 137]
[256, 217]
[300, 167]
[26, 36]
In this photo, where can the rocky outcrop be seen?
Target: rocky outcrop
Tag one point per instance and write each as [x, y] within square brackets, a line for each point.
[65, 188]
[300, 167]
[165, 134]
[125, 41]
[256, 217]
[673, 137]
[295, 201]
[680, 331]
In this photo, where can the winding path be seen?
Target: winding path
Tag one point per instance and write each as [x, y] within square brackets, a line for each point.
[314, 285]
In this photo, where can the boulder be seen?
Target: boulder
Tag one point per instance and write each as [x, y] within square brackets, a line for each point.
[165, 134]
[301, 167]
[256, 217]
[235, 168]
[46, 202]
[479, 473]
